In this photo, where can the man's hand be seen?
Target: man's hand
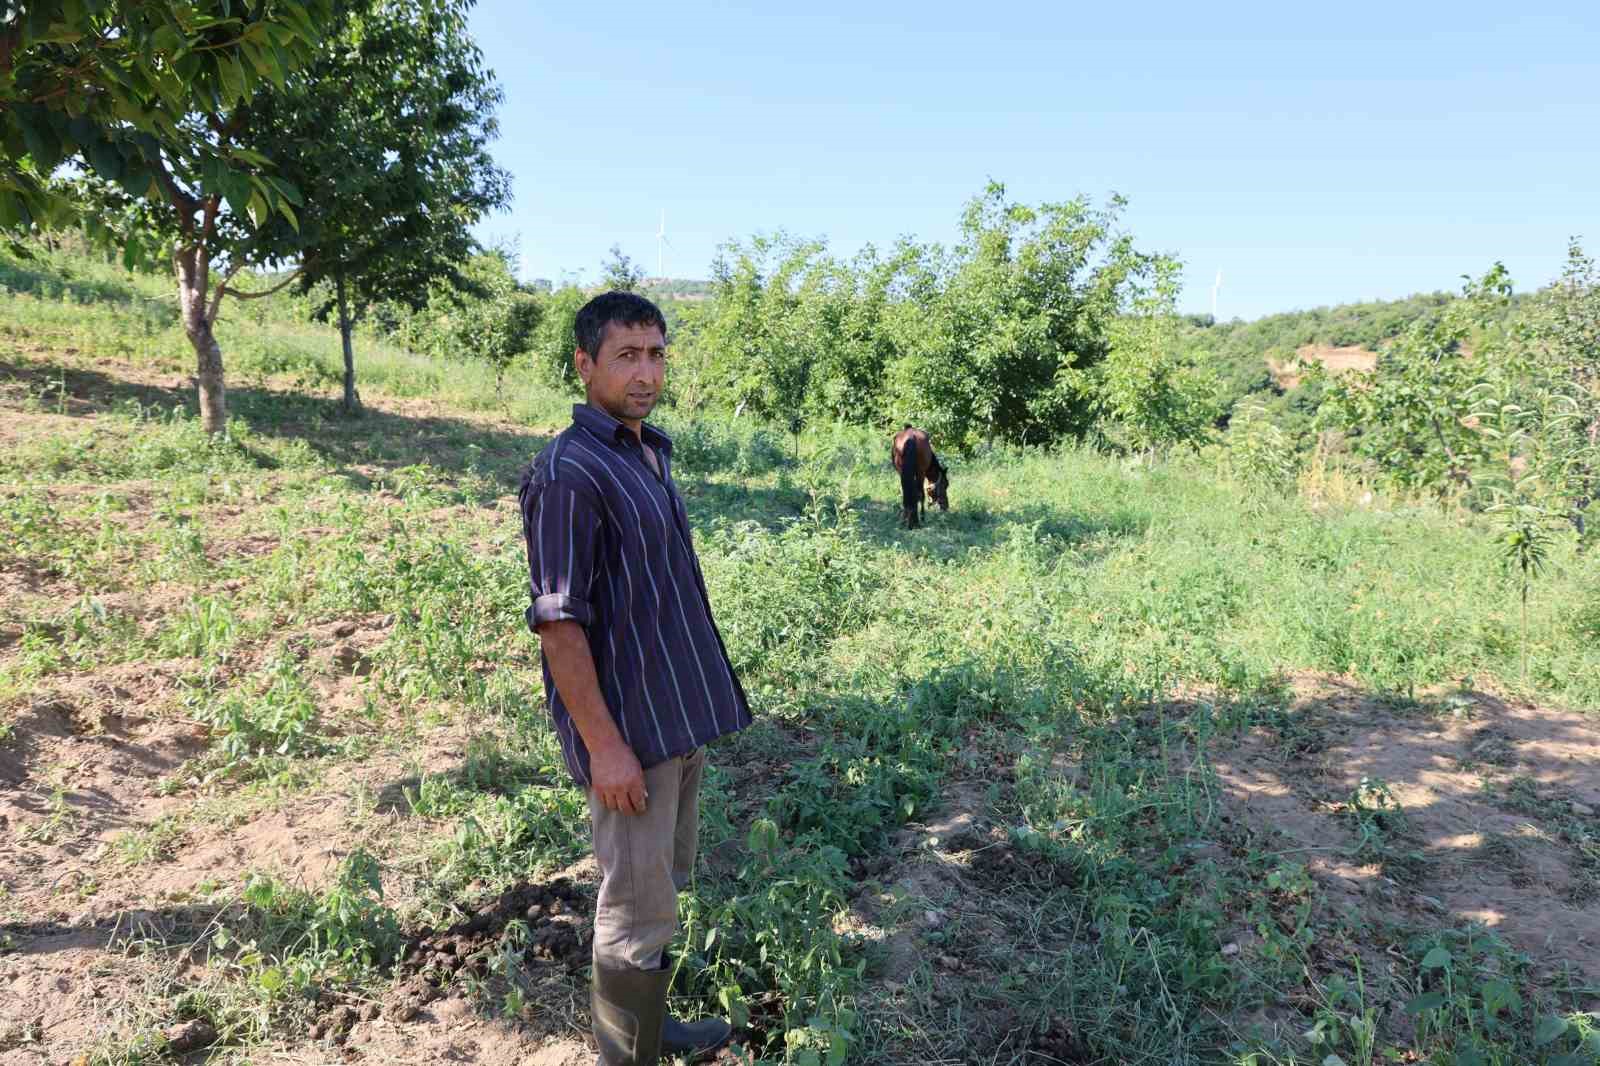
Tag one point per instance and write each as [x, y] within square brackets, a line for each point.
[614, 771]
[616, 778]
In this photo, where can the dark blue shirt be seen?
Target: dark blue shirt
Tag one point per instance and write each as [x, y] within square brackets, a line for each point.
[609, 548]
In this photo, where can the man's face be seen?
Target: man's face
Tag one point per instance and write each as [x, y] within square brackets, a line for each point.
[625, 376]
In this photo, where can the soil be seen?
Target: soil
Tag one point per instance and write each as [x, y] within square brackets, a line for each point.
[1498, 803]
[1337, 360]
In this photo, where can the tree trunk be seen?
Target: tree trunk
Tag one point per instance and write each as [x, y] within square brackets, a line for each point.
[194, 271]
[352, 399]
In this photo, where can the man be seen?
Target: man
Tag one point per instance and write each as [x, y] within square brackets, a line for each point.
[635, 672]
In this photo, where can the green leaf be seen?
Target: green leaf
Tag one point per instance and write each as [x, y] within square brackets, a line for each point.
[763, 835]
[1425, 1002]
[259, 210]
[288, 213]
[187, 66]
[136, 178]
[1436, 959]
[12, 212]
[232, 78]
[105, 159]
[271, 979]
[1498, 995]
[239, 206]
[296, 15]
[271, 64]
[44, 146]
[288, 191]
[1549, 1029]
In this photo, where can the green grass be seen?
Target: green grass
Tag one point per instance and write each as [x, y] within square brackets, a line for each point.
[1074, 642]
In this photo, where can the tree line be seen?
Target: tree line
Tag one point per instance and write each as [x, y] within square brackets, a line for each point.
[341, 147]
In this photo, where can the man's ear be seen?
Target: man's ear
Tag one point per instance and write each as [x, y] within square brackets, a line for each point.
[583, 364]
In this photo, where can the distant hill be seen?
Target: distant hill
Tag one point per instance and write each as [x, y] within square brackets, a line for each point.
[676, 289]
[1255, 360]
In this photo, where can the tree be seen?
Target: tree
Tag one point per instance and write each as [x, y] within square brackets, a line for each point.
[114, 84]
[495, 320]
[1153, 395]
[555, 337]
[1565, 323]
[1027, 294]
[150, 97]
[386, 134]
[1491, 399]
[619, 272]
[794, 333]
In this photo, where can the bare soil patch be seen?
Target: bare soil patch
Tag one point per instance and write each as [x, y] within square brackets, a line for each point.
[1335, 359]
[1498, 805]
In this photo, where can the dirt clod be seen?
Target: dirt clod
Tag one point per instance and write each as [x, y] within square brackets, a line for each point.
[556, 919]
[351, 660]
[189, 1036]
[1059, 1042]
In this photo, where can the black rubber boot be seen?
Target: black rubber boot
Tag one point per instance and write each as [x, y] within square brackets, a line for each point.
[628, 1007]
[694, 1038]
[691, 1038]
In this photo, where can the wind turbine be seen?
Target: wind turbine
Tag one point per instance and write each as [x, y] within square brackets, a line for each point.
[1215, 286]
[661, 242]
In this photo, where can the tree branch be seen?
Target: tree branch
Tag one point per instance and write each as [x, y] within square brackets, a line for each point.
[1457, 471]
[258, 295]
[179, 199]
[208, 228]
[226, 131]
[216, 301]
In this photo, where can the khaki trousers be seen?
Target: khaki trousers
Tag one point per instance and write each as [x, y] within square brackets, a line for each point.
[645, 859]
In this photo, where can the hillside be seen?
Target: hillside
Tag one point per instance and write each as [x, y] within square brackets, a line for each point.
[1112, 762]
[1252, 358]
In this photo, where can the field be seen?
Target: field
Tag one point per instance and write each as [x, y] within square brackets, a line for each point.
[1111, 763]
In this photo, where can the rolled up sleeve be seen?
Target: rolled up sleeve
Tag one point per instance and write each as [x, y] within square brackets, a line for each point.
[562, 526]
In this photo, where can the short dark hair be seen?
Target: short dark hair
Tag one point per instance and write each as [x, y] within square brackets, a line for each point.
[624, 308]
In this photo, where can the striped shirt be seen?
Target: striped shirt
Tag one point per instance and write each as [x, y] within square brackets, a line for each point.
[609, 548]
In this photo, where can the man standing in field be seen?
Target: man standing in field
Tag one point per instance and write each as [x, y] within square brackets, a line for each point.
[635, 672]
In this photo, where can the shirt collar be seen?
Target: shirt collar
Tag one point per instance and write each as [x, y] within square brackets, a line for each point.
[609, 429]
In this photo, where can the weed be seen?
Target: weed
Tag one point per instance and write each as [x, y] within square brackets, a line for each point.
[205, 628]
[154, 843]
[1467, 1006]
[56, 825]
[347, 922]
[276, 716]
[1375, 816]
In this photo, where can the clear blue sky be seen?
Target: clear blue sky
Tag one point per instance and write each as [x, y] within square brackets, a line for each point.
[1315, 154]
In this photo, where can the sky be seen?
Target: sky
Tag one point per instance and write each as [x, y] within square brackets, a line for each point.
[1314, 154]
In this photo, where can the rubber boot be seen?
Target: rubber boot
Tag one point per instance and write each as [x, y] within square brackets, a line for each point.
[628, 1007]
[692, 1038]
